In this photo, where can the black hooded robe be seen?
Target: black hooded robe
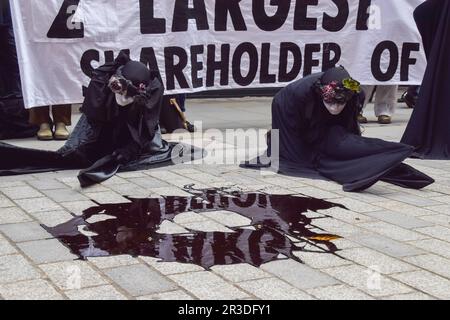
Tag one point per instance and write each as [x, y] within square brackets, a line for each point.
[428, 128]
[313, 143]
[104, 130]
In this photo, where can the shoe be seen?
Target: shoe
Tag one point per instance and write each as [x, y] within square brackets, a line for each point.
[410, 100]
[45, 132]
[189, 127]
[362, 119]
[384, 120]
[61, 132]
[402, 98]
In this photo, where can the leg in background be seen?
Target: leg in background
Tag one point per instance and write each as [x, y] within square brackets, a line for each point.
[385, 103]
[40, 117]
[368, 93]
[62, 115]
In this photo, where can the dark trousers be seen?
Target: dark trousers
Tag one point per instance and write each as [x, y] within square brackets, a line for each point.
[60, 113]
[9, 67]
[413, 91]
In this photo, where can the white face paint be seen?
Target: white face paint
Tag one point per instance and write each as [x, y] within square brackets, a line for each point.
[123, 100]
[334, 108]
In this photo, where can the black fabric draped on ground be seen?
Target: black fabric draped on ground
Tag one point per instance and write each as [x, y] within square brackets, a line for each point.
[315, 144]
[108, 138]
[85, 151]
[428, 128]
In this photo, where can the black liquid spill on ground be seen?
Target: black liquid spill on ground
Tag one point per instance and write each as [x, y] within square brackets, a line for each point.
[133, 229]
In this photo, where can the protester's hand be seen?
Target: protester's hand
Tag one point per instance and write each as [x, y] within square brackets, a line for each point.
[122, 156]
[141, 99]
[127, 153]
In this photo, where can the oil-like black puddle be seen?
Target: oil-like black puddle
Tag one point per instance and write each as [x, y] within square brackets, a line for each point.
[133, 227]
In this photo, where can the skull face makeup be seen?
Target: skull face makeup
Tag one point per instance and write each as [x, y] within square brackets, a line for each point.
[334, 108]
[128, 82]
[336, 87]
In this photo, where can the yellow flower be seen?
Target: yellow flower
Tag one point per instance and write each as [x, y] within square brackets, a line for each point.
[352, 85]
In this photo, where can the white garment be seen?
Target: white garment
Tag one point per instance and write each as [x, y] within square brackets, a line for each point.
[123, 101]
[385, 99]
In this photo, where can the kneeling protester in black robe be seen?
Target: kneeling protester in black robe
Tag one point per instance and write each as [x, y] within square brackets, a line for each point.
[118, 131]
[319, 136]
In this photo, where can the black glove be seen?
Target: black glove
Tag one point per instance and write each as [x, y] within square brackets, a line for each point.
[126, 154]
[141, 98]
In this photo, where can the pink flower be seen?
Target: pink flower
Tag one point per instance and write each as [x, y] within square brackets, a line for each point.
[329, 92]
[142, 87]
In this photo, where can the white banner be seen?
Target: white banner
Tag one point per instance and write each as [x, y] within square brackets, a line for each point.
[198, 45]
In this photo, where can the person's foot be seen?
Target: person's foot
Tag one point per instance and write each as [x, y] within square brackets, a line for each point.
[410, 100]
[362, 119]
[189, 127]
[45, 132]
[384, 120]
[61, 132]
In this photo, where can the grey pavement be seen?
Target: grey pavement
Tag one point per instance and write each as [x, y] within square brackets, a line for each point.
[395, 245]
